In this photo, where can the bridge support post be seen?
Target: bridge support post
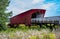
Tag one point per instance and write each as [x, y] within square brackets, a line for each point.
[40, 24]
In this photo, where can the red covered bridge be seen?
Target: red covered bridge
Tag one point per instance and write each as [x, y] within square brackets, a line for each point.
[25, 17]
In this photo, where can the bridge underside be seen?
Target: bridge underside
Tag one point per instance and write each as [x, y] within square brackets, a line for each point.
[45, 23]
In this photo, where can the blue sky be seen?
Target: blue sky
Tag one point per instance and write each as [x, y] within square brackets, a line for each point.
[18, 6]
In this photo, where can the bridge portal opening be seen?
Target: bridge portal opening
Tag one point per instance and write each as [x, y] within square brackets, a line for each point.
[37, 15]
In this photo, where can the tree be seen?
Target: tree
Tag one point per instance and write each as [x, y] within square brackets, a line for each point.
[3, 15]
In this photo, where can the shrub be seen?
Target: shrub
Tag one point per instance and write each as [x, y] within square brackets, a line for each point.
[3, 27]
[49, 36]
[34, 37]
[52, 36]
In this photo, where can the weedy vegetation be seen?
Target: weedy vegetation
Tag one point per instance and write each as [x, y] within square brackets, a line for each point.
[25, 32]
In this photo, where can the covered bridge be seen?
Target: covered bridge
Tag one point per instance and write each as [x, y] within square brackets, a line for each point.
[25, 17]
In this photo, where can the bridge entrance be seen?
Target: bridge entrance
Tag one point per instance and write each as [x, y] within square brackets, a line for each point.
[37, 15]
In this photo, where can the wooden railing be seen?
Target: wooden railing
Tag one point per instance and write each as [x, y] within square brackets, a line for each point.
[45, 21]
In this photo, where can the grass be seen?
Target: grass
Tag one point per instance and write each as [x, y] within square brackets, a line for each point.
[24, 32]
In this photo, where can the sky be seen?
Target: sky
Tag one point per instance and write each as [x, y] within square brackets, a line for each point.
[52, 7]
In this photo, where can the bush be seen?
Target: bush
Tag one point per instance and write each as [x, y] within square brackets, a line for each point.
[49, 36]
[3, 27]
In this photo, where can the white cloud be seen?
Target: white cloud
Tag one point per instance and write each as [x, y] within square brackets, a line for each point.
[21, 6]
[17, 11]
[50, 8]
[47, 6]
[20, 3]
[37, 1]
